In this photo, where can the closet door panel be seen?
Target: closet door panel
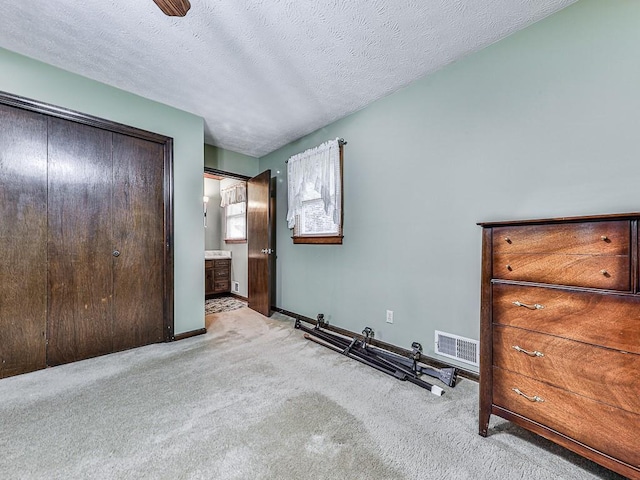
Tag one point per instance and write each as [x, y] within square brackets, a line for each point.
[79, 245]
[138, 229]
[23, 237]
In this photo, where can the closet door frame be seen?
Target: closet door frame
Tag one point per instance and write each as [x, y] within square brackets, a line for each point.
[167, 143]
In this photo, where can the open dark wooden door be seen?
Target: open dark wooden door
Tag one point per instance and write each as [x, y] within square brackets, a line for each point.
[260, 242]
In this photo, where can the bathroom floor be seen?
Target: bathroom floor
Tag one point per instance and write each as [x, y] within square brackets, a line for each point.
[222, 304]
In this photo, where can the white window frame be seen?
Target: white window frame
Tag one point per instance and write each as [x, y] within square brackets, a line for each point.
[228, 216]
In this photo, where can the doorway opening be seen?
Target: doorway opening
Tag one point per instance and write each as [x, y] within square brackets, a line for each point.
[239, 239]
[225, 239]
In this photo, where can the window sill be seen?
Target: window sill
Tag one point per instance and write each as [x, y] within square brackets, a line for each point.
[240, 240]
[331, 240]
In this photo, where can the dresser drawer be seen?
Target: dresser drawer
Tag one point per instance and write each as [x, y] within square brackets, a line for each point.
[573, 366]
[594, 238]
[608, 320]
[608, 429]
[226, 263]
[593, 271]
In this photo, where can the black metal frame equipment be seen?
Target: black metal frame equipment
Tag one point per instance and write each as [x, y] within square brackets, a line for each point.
[400, 367]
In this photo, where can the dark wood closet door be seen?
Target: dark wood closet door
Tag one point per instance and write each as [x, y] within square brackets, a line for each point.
[259, 242]
[80, 242]
[138, 236]
[23, 240]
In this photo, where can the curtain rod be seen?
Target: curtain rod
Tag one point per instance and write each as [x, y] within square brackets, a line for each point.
[341, 142]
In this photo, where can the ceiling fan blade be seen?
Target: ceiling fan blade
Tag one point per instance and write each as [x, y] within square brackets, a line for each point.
[174, 8]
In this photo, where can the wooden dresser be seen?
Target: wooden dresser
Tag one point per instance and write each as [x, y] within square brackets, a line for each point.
[560, 333]
[217, 276]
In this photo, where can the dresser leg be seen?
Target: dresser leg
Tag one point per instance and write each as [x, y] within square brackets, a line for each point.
[484, 404]
[485, 399]
[483, 423]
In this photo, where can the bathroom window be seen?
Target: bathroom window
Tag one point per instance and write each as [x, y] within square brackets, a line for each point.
[235, 223]
[234, 202]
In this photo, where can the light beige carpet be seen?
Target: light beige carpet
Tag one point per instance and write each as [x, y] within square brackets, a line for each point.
[252, 399]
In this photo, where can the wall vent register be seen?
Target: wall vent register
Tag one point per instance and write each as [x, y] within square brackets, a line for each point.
[459, 348]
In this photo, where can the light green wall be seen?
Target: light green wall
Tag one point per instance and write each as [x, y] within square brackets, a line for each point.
[29, 78]
[228, 161]
[541, 124]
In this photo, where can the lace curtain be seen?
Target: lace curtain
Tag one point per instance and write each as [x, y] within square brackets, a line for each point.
[234, 194]
[316, 169]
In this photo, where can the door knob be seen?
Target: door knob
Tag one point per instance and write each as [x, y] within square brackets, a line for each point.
[116, 253]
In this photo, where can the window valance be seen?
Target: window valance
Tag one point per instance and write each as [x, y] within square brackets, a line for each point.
[236, 193]
[315, 173]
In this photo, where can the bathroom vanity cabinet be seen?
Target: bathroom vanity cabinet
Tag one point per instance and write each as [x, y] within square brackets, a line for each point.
[217, 276]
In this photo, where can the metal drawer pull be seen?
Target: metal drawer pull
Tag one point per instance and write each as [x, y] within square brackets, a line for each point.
[604, 238]
[507, 239]
[535, 353]
[535, 398]
[605, 273]
[535, 306]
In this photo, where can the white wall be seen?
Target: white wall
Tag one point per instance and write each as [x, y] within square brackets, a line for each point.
[541, 124]
[212, 232]
[239, 251]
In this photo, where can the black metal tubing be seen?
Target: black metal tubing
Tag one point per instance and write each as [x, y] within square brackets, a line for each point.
[359, 350]
[370, 362]
[432, 362]
[350, 355]
[447, 376]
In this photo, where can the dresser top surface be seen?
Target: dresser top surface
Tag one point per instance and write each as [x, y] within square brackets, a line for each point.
[588, 218]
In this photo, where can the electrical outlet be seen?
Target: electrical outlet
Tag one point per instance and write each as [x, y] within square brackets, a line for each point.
[236, 286]
[389, 316]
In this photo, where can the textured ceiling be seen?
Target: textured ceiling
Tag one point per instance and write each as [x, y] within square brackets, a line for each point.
[261, 73]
